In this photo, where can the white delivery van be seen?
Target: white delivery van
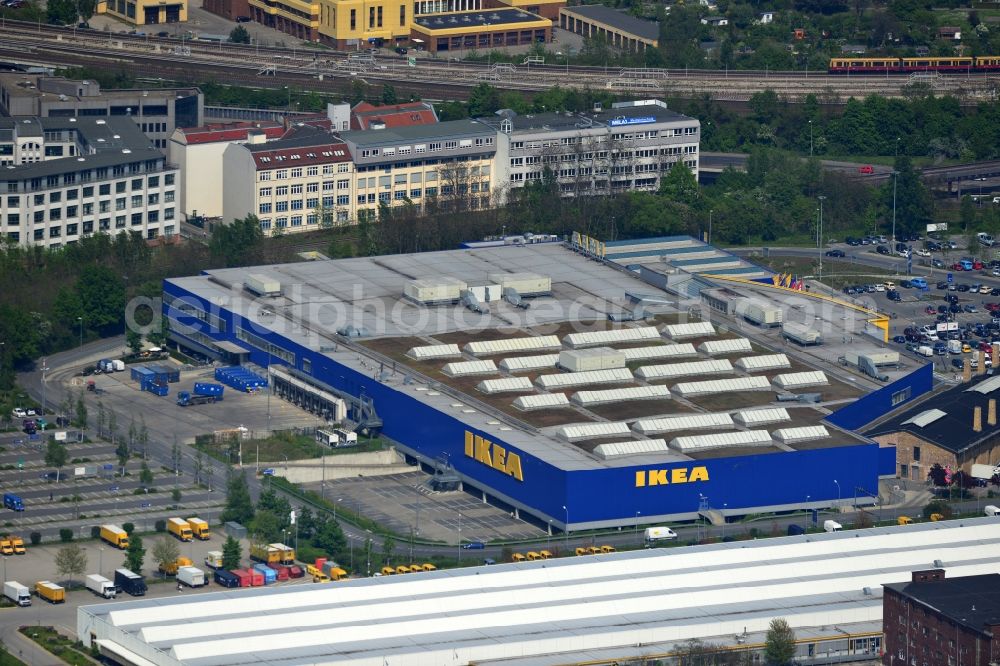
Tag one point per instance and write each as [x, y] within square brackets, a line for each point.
[654, 535]
[992, 510]
[924, 350]
[832, 526]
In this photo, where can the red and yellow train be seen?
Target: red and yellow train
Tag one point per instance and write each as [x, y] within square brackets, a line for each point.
[883, 65]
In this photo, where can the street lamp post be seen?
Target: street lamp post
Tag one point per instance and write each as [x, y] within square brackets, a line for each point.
[710, 226]
[810, 138]
[724, 520]
[838, 491]
[459, 538]
[80, 319]
[566, 530]
[637, 514]
[821, 200]
[894, 178]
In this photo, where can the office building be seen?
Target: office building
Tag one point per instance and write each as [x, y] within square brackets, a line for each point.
[145, 12]
[628, 147]
[67, 178]
[157, 111]
[292, 185]
[450, 163]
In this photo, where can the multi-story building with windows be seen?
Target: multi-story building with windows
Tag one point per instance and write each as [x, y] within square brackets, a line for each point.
[291, 185]
[450, 163]
[156, 111]
[145, 12]
[628, 147]
[67, 178]
[934, 620]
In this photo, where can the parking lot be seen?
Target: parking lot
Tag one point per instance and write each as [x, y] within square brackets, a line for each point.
[403, 502]
[952, 290]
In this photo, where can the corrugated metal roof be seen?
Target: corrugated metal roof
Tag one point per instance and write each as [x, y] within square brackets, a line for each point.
[721, 440]
[630, 447]
[671, 370]
[463, 368]
[545, 400]
[530, 343]
[692, 330]
[986, 386]
[505, 384]
[926, 417]
[802, 434]
[584, 378]
[522, 363]
[565, 606]
[722, 386]
[798, 379]
[765, 362]
[610, 337]
[621, 395]
[659, 351]
[687, 422]
[725, 346]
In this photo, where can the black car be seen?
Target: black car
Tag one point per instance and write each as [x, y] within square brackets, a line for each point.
[400, 50]
[854, 242]
[893, 295]
[882, 249]
[899, 339]
[955, 307]
[242, 19]
[906, 284]
[962, 287]
[832, 253]
[951, 298]
[933, 247]
[942, 308]
[942, 285]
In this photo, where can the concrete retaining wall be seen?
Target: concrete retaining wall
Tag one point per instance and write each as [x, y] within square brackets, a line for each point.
[347, 465]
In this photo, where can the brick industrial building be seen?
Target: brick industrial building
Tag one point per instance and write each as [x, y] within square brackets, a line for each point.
[933, 620]
[955, 428]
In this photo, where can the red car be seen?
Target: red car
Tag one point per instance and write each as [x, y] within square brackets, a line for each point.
[992, 307]
[867, 169]
[930, 309]
[985, 346]
[977, 265]
[957, 267]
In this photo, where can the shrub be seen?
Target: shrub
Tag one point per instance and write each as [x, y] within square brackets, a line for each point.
[65, 535]
[129, 528]
[937, 507]
[160, 526]
[36, 538]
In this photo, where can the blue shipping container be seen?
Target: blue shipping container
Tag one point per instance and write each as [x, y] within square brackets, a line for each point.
[270, 575]
[202, 388]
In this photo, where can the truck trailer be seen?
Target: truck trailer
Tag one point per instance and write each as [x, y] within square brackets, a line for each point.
[130, 582]
[180, 529]
[188, 399]
[101, 586]
[199, 528]
[115, 535]
[17, 593]
[191, 576]
[54, 594]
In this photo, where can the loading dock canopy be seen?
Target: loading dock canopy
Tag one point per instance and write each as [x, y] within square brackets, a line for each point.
[230, 347]
[338, 408]
[111, 649]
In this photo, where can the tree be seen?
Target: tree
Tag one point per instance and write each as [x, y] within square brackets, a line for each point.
[239, 507]
[166, 551]
[265, 527]
[55, 455]
[81, 412]
[938, 475]
[135, 554]
[145, 474]
[61, 12]
[86, 8]
[306, 522]
[101, 294]
[779, 646]
[330, 538]
[680, 184]
[71, 560]
[276, 504]
[232, 554]
[134, 340]
[484, 100]
[388, 546]
[237, 244]
[239, 35]
[388, 95]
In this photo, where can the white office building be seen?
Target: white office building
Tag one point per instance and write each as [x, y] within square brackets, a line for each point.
[67, 178]
[628, 147]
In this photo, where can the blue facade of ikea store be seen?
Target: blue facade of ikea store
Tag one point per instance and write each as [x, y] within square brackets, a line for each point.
[593, 497]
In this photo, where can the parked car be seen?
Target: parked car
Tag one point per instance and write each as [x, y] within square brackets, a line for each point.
[835, 253]
[242, 19]
[882, 249]
[937, 263]
[866, 169]
[923, 253]
[970, 308]
[893, 295]
[899, 339]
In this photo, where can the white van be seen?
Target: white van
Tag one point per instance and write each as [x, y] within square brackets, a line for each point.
[985, 239]
[954, 346]
[924, 350]
[832, 526]
[991, 510]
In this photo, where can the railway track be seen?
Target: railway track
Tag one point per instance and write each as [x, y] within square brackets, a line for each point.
[332, 71]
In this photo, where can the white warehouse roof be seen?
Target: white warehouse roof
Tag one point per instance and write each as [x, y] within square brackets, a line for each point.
[568, 606]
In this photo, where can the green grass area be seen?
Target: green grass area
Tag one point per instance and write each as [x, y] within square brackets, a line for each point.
[836, 274]
[278, 448]
[59, 645]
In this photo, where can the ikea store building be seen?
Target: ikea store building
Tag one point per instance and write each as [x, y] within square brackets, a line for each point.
[501, 368]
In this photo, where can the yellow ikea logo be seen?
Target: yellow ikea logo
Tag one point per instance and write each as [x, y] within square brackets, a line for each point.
[663, 477]
[493, 455]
